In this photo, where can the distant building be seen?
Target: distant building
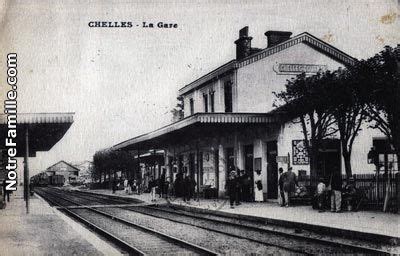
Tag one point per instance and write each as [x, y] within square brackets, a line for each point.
[70, 172]
[85, 171]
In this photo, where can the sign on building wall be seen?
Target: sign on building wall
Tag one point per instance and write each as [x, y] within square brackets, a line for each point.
[295, 68]
[300, 154]
[282, 159]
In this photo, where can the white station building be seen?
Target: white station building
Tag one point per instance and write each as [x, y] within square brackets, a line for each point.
[229, 118]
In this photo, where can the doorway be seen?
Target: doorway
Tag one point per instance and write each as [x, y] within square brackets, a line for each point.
[230, 162]
[272, 170]
[249, 168]
[329, 159]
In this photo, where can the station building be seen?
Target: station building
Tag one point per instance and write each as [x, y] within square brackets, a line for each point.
[70, 172]
[230, 119]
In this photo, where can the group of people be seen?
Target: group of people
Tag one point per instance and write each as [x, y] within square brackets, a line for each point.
[184, 186]
[240, 187]
[335, 191]
[160, 186]
[130, 186]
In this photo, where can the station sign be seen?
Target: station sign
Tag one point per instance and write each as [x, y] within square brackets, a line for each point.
[294, 68]
[282, 159]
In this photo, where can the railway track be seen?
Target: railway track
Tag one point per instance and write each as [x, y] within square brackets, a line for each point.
[293, 240]
[131, 237]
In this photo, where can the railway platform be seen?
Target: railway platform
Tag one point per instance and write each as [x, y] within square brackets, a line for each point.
[45, 231]
[371, 224]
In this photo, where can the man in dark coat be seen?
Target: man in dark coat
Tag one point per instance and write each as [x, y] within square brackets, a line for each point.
[186, 188]
[244, 186]
[161, 183]
[190, 186]
[289, 180]
[114, 185]
[231, 186]
[6, 193]
[178, 184]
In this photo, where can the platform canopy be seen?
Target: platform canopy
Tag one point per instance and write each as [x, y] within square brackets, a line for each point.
[196, 126]
[44, 130]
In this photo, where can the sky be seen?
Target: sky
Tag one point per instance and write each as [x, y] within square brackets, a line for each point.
[123, 82]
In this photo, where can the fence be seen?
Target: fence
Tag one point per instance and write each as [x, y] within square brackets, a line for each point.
[374, 189]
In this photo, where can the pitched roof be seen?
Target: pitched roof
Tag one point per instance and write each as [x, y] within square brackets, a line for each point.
[62, 161]
[304, 37]
[209, 76]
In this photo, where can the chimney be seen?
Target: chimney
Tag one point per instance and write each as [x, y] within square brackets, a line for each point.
[243, 44]
[277, 37]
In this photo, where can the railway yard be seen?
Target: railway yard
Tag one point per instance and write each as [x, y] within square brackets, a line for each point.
[136, 227]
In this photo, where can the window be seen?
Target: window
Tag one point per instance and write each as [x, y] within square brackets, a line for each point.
[205, 101]
[212, 101]
[191, 102]
[228, 96]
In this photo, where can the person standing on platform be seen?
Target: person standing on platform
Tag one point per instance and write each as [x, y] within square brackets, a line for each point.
[126, 186]
[336, 192]
[192, 185]
[245, 189]
[186, 188]
[114, 185]
[161, 183]
[321, 194]
[232, 188]
[6, 193]
[289, 185]
[153, 187]
[258, 191]
[178, 184]
[130, 185]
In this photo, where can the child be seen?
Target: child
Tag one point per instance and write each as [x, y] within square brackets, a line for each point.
[321, 190]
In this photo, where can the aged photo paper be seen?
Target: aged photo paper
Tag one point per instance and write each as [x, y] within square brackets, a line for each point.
[199, 127]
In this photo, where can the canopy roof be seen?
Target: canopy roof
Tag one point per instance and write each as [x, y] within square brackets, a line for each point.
[196, 126]
[44, 129]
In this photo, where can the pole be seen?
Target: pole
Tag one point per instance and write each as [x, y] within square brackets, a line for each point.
[377, 184]
[235, 151]
[198, 170]
[139, 174]
[26, 170]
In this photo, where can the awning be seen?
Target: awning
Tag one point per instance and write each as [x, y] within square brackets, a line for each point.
[197, 125]
[45, 130]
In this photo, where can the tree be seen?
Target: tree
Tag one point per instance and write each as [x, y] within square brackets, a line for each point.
[178, 111]
[347, 110]
[111, 161]
[305, 99]
[379, 89]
